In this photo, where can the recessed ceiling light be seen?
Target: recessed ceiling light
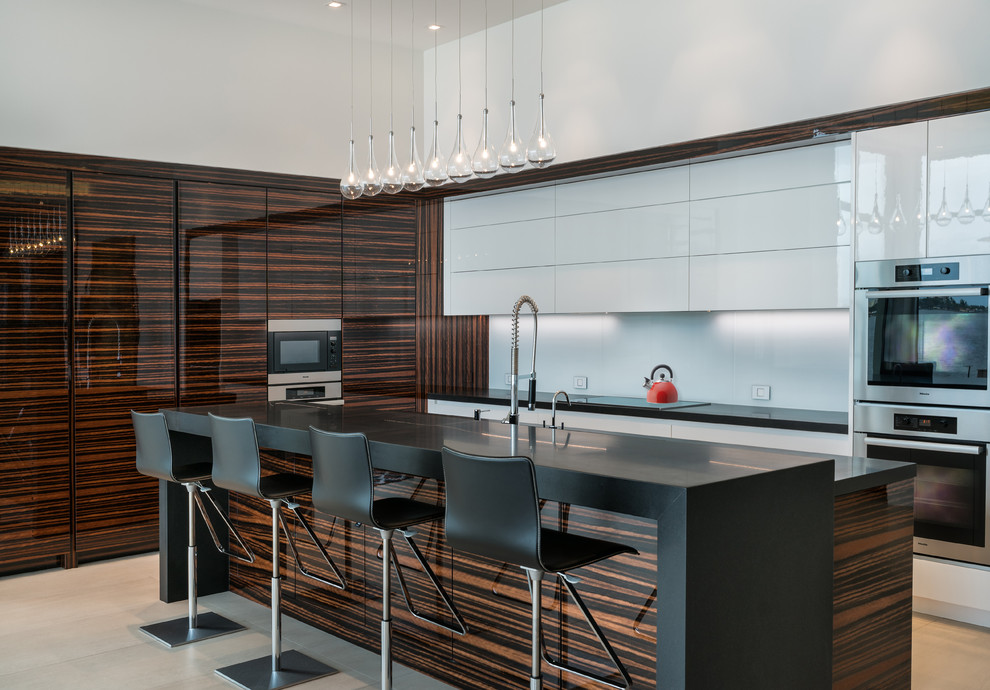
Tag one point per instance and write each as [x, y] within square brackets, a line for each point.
[434, 27]
[335, 4]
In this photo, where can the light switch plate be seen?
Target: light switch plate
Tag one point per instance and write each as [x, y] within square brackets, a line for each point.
[508, 379]
[761, 391]
[580, 382]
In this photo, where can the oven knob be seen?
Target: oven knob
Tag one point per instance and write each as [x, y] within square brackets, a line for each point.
[905, 272]
[945, 270]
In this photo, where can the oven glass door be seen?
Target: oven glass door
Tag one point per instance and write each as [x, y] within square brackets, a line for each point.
[950, 487]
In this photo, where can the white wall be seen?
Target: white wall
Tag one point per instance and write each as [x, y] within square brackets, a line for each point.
[621, 76]
[173, 81]
[716, 356]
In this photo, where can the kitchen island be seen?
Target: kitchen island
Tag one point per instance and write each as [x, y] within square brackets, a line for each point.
[733, 585]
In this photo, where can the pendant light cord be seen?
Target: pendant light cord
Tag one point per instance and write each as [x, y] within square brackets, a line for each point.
[371, 72]
[541, 47]
[436, 110]
[486, 55]
[352, 74]
[512, 53]
[412, 61]
[458, 57]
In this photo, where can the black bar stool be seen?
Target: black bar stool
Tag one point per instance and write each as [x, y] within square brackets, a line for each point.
[493, 511]
[343, 486]
[154, 458]
[237, 467]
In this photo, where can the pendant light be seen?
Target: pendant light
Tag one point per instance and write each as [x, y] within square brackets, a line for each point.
[412, 174]
[435, 172]
[485, 163]
[874, 226]
[965, 215]
[898, 221]
[372, 178]
[541, 150]
[459, 164]
[512, 157]
[392, 177]
[351, 185]
[944, 216]
[985, 213]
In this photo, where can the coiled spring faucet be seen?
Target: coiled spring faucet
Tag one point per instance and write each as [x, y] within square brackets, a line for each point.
[513, 417]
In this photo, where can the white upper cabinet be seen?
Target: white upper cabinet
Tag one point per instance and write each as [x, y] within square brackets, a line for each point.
[649, 188]
[765, 221]
[623, 286]
[644, 232]
[495, 292]
[508, 245]
[804, 166]
[493, 209]
[891, 181]
[959, 185]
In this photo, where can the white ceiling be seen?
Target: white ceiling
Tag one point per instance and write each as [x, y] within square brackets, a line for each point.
[315, 14]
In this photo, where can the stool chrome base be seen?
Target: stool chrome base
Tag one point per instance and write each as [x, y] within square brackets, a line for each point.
[177, 632]
[257, 674]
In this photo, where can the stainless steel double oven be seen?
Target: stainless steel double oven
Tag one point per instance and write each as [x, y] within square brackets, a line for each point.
[921, 394]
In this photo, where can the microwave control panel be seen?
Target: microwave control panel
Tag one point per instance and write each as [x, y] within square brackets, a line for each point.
[916, 273]
[333, 351]
[931, 424]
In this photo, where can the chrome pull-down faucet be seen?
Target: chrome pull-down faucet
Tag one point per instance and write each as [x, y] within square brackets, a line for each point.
[513, 417]
[553, 408]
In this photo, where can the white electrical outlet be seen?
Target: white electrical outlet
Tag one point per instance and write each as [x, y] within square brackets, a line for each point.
[580, 382]
[508, 379]
[761, 391]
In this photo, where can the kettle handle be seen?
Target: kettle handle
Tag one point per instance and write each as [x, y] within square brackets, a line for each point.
[662, 366]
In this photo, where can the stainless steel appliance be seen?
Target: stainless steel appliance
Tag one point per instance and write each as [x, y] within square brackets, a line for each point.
[304, 357]
[921, 329]
[921, 395]
[949, 445]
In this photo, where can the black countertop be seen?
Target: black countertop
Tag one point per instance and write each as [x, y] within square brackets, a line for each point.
[687, 411]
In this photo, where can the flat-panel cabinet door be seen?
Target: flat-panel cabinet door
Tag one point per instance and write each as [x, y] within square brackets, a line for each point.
[891, 182]
[222, 294]
[304, 275]
[959, 185]
[34, 378]
[124, 350]
[496, 292]
[623, 286]
[796, 279]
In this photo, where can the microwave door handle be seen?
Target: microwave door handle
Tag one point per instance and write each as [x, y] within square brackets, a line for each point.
[948, 292]
[922, 445]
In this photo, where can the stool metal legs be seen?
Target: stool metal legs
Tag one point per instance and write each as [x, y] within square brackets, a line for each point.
[195, 627]
[535, 578]
[386, 609]
[280, 670]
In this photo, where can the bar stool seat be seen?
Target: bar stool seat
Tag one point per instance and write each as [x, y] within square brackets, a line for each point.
[237, 467]
[493, 510]
[154, 458]
[343, 486]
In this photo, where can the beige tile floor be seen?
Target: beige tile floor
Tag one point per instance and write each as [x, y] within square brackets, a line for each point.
[79, 629]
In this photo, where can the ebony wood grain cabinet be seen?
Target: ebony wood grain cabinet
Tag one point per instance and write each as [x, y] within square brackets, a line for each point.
[35, 446]
[123, 352]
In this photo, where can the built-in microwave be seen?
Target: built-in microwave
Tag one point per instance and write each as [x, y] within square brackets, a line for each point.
[921, 329]
[304, 358]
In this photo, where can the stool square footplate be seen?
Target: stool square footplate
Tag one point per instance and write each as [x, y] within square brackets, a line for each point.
[177, 632]
[256, 674]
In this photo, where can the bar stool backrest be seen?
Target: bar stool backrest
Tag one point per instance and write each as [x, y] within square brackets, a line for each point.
[153, 449]
[343, 478]
[236, 458]
[492, 507]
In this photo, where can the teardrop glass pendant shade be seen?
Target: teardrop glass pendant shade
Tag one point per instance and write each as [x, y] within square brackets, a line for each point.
[541, 150]
[485, 161]
[435, 172]
[985, 213]
[512, 157]
[898, 222]
[412, 174]
[875, 226]
[459, 163]
[351, 185]
[372, 178]
[943, 217]
[966, 214]
[392, 177]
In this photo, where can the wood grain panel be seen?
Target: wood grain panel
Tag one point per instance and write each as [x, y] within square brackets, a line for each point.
[872, 588]
[379, 257]
[451, 351]
[304, 274]
[124, 353]
[222, 294]
[35, 468]
[379, 362]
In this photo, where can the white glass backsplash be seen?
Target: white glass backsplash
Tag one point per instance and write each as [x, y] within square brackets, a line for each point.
[716, 356]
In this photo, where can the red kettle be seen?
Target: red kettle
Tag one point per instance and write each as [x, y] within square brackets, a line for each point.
[660, 390]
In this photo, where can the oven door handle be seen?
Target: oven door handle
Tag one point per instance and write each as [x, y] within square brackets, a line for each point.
[924, 445]
[920, 292]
